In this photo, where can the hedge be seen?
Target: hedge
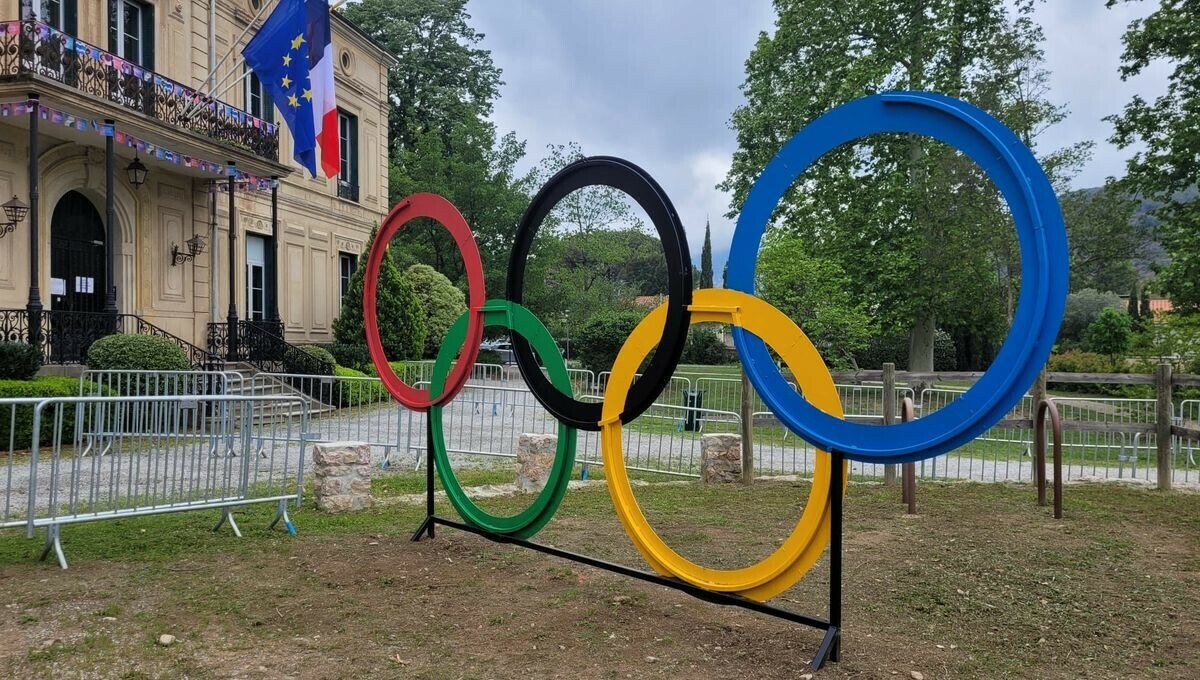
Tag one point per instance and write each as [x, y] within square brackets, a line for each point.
[358, 392]
[308, 360]
[45, 387]
[136, 353]
[19, 361]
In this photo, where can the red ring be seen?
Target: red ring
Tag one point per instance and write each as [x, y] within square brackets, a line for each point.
[444, 213]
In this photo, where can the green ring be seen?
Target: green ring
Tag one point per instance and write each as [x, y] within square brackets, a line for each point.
[528, 522]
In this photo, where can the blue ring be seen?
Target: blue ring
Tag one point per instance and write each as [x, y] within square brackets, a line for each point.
[1040, 231]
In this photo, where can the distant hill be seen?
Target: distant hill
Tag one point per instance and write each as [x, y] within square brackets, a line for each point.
[1150, 251]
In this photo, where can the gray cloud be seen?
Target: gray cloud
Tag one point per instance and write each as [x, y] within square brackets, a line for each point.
[656, 82]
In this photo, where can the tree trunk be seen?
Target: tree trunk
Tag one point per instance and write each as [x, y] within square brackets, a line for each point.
[920, 350]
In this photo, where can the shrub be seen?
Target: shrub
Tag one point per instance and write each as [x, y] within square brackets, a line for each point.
[602, 336]
[704, 348]
[136, 353]
[401, 317]
[351, 356]
[1076, 361]
[308, 360]
[21, 421]
[1111, 333]
[489, 356]
[442, 301]
[19, 361]
[358, 392]
[397, 368]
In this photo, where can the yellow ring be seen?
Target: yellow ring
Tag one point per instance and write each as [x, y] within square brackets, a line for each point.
[784, 567]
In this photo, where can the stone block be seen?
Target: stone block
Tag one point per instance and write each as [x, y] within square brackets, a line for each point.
[535, 458]
[342, 476]
[720, 458]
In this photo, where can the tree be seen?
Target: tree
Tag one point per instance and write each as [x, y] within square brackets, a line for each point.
[1111, 333]
[442, 302]
[601, 338]
[814, 292]
[1083, 307]
[401, 318]
[1102, 238]
[706, 263]
[1147, 310]
[1132, 308]
[1167, 163]
[919, 230]
[704, 347]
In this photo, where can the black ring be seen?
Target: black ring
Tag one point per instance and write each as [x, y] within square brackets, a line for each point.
[641, 187]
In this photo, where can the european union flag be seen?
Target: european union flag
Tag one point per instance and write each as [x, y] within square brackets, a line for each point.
[280, 54]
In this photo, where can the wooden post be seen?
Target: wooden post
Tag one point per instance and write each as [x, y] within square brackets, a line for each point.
[1038, 390]
[889, 415]
[747, 414]
[1162, 422]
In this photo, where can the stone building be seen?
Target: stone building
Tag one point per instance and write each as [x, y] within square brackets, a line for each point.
[126, 172]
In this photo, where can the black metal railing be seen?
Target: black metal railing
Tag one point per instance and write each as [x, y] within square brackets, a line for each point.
[65, 337]
[30, 48]
[261, 344]
[347, 191]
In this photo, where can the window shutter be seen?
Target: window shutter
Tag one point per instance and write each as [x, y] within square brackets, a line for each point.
[354, 150]
[71, 17]
[148, 27]
[114, 40]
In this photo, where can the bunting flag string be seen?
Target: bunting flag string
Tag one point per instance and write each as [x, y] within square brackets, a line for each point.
[245, 180]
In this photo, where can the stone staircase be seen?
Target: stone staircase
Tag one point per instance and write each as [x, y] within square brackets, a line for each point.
[254, 383]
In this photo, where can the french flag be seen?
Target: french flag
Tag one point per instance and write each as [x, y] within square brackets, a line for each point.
[324, 101]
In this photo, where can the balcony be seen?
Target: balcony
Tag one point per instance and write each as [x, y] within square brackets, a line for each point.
[31, 48]
[347, 191]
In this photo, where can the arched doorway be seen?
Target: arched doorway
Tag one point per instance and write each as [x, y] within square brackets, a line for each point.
[77, 254]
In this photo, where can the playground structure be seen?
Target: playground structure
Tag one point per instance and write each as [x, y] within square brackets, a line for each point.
[813, 412]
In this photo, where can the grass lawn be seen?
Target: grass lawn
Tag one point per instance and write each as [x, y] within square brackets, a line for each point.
[982, 584]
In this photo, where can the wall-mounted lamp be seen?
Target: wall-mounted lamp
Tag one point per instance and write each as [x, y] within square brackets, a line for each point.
[15, 210]
[137, 172]
[195, 246]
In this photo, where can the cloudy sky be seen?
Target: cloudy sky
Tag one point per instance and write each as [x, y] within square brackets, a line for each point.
[656, 82]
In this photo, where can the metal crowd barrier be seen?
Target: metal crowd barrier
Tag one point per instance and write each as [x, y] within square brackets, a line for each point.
[94, 458]
[128, 383]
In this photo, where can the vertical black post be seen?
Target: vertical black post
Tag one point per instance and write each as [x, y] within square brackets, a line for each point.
[273, 261]
[429, 463]
[835, 553]
[231, 318]
[34, 306]
[110, 221]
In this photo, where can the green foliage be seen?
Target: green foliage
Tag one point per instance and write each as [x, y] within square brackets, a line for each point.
[704, 348]
[921, 233]
[19, 361]
[1169, 338]
[489, 356]
[893, 348]
[1103, 239]
[442, 302]
[601, 339]
[1167, 161]
[402, 327]
[1076, 361]
[16, 425]
[355, 392]
[706, 263]
[136, 353]
[1111, 333]
[397, 368]
[1083, 307]
[351, 356]
[308, 360]
[815, 293]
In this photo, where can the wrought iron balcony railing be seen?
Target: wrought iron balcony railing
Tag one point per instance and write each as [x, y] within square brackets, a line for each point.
[347, 191]
[261, 344]
[64, 337]
[32, 48]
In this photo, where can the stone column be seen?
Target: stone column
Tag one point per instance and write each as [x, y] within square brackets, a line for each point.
[720, 458]
[535, 457]
[343, 476]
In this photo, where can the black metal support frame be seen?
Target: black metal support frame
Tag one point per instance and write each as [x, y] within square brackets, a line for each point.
[231, 318]
[828, 650]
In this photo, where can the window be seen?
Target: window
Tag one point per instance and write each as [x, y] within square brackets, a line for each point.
[131, 31]
[258, 101]
[347, 264]
[61, 14]
[256, 279]
[348, 137]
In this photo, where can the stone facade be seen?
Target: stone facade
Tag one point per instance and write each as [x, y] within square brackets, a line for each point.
[720, 458]
[535, 457]
[316, 225]
[343, 476]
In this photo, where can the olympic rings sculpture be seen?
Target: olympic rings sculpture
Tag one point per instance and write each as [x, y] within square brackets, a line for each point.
[814, 411]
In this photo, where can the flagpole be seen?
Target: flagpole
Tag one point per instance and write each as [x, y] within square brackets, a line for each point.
[232, 47]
